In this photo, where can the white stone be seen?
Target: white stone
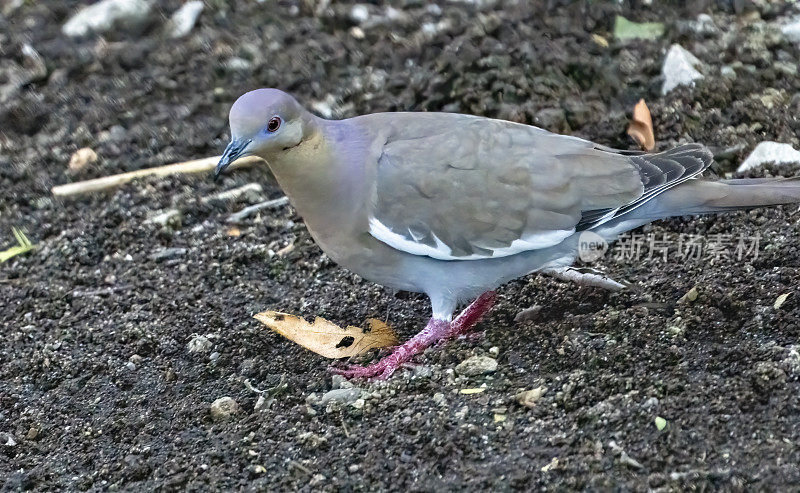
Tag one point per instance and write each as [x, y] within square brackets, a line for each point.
[770, 152]
[224, 408]
[476, 365]
[792, 30]
[199, 344]
[340, 396]
[104, 15]
[679, 69]
[184, 19]
[359, 13]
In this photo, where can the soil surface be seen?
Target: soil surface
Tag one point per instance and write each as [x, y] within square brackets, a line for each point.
[106, 382]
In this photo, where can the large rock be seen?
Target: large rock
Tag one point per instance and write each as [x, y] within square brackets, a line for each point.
[770, 152]
[105, 15]
[679, 69]
[184, 19]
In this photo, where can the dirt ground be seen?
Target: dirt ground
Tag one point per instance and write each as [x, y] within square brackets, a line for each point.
[99, 388]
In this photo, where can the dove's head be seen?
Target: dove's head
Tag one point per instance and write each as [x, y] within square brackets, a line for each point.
[264, 123]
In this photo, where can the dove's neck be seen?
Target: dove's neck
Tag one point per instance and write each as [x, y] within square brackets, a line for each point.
[326, 177]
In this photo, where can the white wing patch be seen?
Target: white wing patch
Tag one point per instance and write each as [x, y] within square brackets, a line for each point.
[442, 252]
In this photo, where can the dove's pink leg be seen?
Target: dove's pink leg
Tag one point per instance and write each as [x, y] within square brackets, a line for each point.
[435, 330]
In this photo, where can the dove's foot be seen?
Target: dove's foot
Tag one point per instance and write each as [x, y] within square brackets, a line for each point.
[472, 314]
[436, 330]
[383, 369]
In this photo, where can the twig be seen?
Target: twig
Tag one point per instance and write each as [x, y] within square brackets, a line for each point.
[301, 467]
[250, 188]
[99, 292]
[195, 166]
[269, 204]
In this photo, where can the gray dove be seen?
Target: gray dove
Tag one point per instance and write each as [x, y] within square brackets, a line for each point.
[454, 205]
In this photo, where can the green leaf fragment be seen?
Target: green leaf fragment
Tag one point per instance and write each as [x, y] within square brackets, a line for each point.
[625, 30]
[661, 423]
[24, 245]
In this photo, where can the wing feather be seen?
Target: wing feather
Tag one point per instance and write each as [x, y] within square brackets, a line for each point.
[458, 187]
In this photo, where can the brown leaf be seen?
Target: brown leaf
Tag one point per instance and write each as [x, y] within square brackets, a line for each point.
[641, 127]
[328, 339]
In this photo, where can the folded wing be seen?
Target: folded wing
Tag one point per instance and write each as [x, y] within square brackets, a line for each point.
[458, 187]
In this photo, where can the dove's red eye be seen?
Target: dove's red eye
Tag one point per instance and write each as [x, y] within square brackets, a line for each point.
[273, 124]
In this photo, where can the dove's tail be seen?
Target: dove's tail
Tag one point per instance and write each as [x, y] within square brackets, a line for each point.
[698, 196]
[704, 196]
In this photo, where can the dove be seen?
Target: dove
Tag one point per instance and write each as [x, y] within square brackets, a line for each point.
[455, 205]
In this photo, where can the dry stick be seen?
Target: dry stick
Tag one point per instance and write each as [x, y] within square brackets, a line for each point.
[195, 166]
[247, 211]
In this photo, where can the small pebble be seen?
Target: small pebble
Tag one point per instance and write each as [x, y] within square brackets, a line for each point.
[184, 19]
[199, 344]
[529, 398]
[359, 13]
[7, 439]
[82, 158]
[340, 396]
[476, 365]
[339, 382]
[224, 408]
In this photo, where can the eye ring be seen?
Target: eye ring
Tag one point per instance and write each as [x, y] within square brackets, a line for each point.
[274, 124]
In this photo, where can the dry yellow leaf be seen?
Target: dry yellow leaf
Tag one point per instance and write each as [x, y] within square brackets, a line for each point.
[328, 339]
[690, 295]
[477, 390]
[234, 232]
[599, 40]
[641, 126]
[781, 300]
[550, 465]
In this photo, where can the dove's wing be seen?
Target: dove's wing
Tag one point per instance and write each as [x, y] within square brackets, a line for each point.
[458, 187]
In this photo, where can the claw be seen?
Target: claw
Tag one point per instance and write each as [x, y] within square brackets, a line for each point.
[435, 331]
[381, 370]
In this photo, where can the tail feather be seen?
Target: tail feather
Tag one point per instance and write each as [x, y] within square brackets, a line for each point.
[704, 196]
[659, 173]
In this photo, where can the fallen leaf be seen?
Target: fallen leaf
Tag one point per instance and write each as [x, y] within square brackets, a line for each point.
[690, 295]
[641, 126]
[285, 250]
[781, 300]
[499, 418]
[328, 339]
[23, 245]
[477, 390]
[234, 232]
[660, 422]
[600, 41]
[550, 465]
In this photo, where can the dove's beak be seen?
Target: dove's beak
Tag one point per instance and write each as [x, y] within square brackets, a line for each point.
[235, 150]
